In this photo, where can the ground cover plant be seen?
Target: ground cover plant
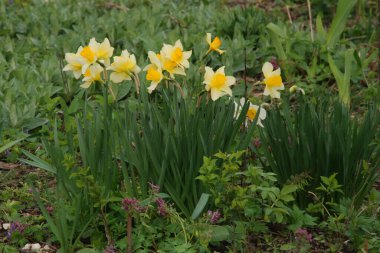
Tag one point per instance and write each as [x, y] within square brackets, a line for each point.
[201, 126]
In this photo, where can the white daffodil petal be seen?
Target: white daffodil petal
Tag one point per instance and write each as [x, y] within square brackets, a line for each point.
[220, 70]
[230, 80]
[215, 94]
[267, 69]
[208, 38]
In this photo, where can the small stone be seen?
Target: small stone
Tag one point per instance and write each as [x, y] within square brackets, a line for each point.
[27, 246]
[6, 226]
[36, 247]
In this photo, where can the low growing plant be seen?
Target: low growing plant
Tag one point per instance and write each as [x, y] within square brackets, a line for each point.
[321, 140]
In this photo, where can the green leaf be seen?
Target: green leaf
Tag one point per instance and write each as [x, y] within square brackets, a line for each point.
[288, 189]
[38, 162]
[219, 233]
[11, 144]
[287, 247]
[88, 250]
[200, 205]
[339, 22]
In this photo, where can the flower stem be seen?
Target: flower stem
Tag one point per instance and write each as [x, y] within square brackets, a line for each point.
[129, 233]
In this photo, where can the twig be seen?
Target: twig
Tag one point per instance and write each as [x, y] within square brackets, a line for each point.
[289, 16]
[129, 233]
[310, 21]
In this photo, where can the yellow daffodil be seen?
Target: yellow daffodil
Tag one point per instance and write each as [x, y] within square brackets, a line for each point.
[214, 45]
[171, 67]
[74, 63]
[175, 57]
[272, 80]
[88, 54]
[92, 74]
[153, 71]
[123, 66]
[252, 112]
[103, 51]
[218, 83]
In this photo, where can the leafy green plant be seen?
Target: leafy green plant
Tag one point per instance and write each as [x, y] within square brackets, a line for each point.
[321, 140]
[169, 141]
[247, 198]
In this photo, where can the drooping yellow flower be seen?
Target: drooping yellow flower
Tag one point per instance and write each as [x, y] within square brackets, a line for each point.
[252, 112]
[123, 66]
[214, 45]
[175, 54]
[74, 63]
[92, 74]
[103, 51]
[218, 83]
[153, 71]
[272, 80]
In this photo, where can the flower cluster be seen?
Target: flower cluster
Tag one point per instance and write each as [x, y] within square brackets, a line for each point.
[94, 59]
[303, 234]
[213, 217]
[171, 59]
[131, 205]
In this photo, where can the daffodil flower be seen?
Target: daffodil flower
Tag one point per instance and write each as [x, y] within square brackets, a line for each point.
[176, 55]
[92, 74]
[273, 81]
[74, 63]
[252, 112]
[171, 67]
[218, 83]
[88, 54]
[103, 51]
[214, 45]
[123, 66]
[153, 71]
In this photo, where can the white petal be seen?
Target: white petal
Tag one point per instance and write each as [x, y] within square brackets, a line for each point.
[267, 69]
[242, 101]
[220, 70]
[85, 85]
[266, 91]
[119, 77]
[209, 73]
[230, 80]
[152, 87]
[178, 44]
[179, 71]
[263, 113]
[185, 64]
[277, 72]
[187, 54]
[154, 59]
[77, 74]
[227, 90]
[208, 38]
[136, 69]
[215, 94]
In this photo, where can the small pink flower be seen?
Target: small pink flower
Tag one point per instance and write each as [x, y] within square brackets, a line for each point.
[162, 208]
[303, 233]
[154, 188]
[213, 216]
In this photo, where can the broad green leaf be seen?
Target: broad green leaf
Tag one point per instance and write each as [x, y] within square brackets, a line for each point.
[339, 22]
[200, 205]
